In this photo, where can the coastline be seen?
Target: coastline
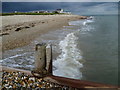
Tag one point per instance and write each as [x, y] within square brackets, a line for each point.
[20, 30]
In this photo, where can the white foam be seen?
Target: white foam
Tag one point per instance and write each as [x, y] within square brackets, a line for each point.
[68, 63]
[24, 60]
[1, 61]
[89, 20]
[18, 55]
[76, 22]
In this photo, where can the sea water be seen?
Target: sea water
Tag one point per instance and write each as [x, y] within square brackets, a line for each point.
[98, 40]
[86, 49]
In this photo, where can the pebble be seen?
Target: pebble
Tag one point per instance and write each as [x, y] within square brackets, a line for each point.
[17, 80]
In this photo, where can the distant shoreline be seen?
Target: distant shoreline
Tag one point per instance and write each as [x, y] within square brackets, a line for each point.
[20, 30]
[29, 13]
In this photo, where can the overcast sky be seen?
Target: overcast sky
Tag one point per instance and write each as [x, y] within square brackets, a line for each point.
[97, 8]
[82, 8]
[60, 0]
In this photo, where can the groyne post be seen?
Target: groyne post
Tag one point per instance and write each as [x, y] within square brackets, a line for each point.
[49, 58]
[40, 57]
[43, 58]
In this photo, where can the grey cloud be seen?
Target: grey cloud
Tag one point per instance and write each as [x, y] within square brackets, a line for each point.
[81, 8]
[106, 8]
[95, 8]
[60, 0]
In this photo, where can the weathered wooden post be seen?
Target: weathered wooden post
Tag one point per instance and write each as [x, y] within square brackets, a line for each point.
[43, 60]
[49, 59]
[40, 57]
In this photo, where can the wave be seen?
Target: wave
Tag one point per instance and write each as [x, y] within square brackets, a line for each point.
[18, 55]
[25, 60]
[68, 62]
[89, 20]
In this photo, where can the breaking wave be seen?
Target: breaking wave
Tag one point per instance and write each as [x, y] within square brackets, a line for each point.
[68, 62]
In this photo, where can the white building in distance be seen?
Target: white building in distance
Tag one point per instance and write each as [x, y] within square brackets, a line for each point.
[60, 10]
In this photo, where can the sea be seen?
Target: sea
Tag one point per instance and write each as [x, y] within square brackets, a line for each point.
[86, 50]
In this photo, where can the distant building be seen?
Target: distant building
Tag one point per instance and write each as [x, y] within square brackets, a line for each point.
[67, 12]
[15, 11]
[42, 11]
[58, 11]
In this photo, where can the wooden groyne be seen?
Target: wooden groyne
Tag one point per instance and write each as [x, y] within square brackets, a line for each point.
[43, 69]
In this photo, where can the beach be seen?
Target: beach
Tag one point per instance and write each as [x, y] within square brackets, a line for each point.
[79, 45]
[83, 47]
[20, 30]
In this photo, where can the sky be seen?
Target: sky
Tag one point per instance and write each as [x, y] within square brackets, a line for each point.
[95, 8]
[81, 8]
[60, 0]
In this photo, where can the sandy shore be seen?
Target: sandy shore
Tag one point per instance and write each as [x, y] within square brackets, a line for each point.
[20, 30]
